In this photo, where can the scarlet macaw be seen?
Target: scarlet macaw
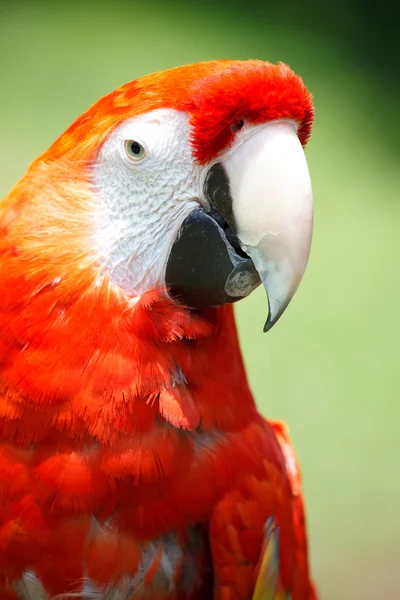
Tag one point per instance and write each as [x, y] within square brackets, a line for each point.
[133, 461]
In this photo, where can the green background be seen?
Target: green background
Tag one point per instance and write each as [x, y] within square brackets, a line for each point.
[330, 368]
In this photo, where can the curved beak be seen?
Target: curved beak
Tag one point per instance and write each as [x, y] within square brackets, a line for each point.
[272, 209]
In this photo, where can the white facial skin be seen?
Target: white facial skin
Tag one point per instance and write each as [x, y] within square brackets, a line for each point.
[143, 203]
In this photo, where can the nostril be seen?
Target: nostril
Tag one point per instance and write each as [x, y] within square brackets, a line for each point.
[237, 125]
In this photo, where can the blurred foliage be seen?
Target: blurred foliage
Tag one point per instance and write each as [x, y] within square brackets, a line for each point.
[330, 367]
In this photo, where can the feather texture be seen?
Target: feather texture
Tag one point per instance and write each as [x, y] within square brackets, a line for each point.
[129, 438]
[268, 586]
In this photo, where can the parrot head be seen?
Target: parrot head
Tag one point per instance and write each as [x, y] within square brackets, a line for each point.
[125, 412]
[192, 181]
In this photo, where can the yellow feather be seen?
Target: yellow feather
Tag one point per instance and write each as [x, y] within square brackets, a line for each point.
[268, 585]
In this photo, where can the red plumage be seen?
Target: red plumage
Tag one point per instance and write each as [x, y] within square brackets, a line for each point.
[136, 412]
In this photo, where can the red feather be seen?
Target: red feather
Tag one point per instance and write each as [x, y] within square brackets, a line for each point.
[135, 412]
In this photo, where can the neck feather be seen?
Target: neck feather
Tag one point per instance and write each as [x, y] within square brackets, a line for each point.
[96, 366]
[79, 357]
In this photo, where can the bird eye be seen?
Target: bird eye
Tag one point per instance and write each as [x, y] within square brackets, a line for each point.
[134, 150]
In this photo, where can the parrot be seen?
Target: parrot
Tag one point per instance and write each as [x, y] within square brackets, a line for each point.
[134, 464]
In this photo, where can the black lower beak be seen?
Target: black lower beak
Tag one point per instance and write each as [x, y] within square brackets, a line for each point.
[258, 228]
[206, 265]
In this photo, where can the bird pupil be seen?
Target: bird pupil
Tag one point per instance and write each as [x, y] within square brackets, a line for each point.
[135, 147]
